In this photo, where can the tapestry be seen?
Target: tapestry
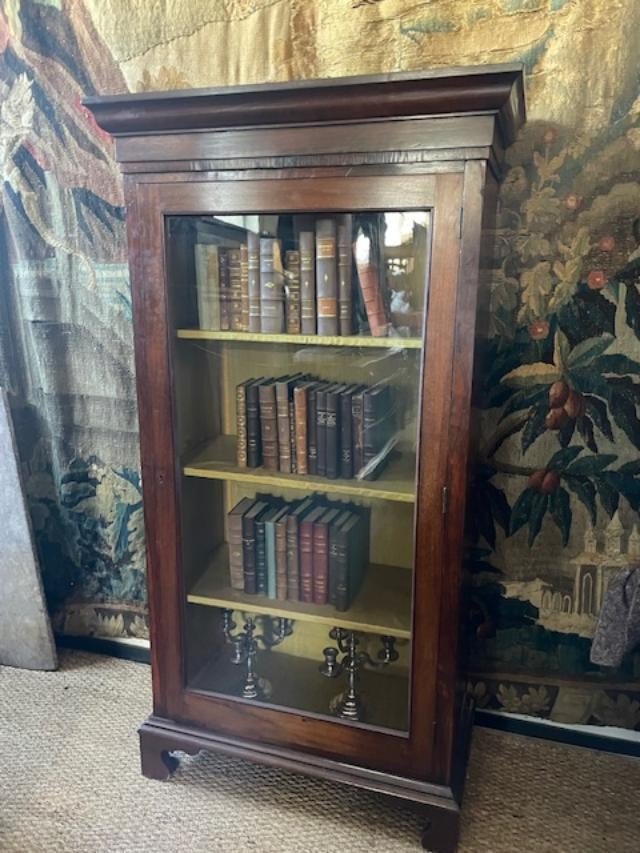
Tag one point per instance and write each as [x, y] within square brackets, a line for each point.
[554, 503]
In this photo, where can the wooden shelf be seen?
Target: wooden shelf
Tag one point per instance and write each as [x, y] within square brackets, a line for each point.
[217, 461]
[383, 605]
[296, 683]
[317, 340]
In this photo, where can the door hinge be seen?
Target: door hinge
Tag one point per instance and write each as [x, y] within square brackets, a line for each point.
[445, 499]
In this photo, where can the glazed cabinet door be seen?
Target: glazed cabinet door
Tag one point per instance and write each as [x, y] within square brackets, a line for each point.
[296, 344]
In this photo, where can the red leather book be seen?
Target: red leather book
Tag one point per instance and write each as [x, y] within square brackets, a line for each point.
[306, 552]
[326, 277]
[253, 272]
[293, 546]
[369, 278]
[300, 409]
[271, 286]
[320, 561]
[345, 296]
[269, 425]
[307, 283]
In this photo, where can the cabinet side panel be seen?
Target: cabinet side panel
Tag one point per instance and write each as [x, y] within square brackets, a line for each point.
[450, 681]
[153, 372]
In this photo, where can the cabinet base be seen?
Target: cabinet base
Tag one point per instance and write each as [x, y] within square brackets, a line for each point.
[160, 737]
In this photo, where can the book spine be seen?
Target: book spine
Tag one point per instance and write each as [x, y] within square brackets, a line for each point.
[300, 421]
[293, 559]
[332, 434]
[271, 287]
[282, 414]
[223, 278]
[345, 297]
[236, 563]
[292, 436]
[346, 437]
[333, 564]
[356, 426]
[292, 280]
[261, 558]
[254, 437]
[241, 425]
[270, 543]
[321, 433]
[235, 290]
[253, 272]
[307, 283]
[269, 426]
[372, 423]
[341, 558]
[326, 278]
[249, 555]
[281, 558]
[244, 287]
[320, 562]
[370, 287]
[306, 561]
[312, 432]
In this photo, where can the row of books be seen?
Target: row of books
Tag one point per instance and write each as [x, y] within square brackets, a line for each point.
[303, 425]
[252, 288]
[312, 550]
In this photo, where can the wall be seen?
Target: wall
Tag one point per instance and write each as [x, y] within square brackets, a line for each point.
[563, 302]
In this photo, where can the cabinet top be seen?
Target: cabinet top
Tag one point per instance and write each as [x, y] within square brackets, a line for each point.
[490, 89]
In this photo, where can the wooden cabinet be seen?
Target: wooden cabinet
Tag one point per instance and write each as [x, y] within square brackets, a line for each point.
[304, 269]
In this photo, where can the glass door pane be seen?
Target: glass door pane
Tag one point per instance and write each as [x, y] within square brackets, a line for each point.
[297, 344]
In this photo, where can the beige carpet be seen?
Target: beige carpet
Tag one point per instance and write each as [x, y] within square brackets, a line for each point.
[70, 783]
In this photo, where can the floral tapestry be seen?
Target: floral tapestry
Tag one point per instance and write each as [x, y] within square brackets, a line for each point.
[554, 502]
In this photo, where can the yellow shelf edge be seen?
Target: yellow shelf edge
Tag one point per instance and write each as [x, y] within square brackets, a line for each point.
[319, 340]
[285, 482]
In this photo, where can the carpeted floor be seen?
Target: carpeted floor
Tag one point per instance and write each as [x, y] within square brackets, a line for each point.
[70, 783]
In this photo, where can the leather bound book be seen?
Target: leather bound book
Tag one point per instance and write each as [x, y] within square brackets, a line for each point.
[283, 387]
[254, 436]
[307, 283]
[249, 545]
[235, 290]
[300, 409]
[234, 539]
[292, 291]
[332, 431]
[281, 552]
[253, 272]
[321, 430]
[345, 296]
[349, 561]
[271, 287]
[244, 287]
[357, 430]
[261, 553]
[271, 519]
[293, 546]
[241, 423]
[377, 417]
[292, 433]
[223, 278]
[369, 278]
[269, 425]
[320, 561]
[346, 431]
[207, 285]
[326, 277]
[336, 568]
[312, 426]
[306, 552]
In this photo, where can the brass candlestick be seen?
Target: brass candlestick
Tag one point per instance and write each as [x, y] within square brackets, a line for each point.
[245, 647]
[349, 703]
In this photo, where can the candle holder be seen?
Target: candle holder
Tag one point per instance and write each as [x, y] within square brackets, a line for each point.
[349, 703]
[244, 647]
